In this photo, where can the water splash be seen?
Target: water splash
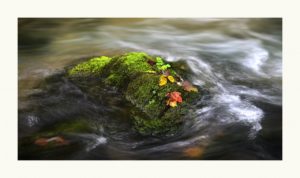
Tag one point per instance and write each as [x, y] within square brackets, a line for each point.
[32, 120]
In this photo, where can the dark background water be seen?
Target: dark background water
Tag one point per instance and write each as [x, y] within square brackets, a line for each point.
[238, 60]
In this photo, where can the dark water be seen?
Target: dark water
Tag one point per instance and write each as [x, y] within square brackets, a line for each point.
[239, 61]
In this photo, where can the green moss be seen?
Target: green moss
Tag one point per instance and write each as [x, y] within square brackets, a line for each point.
[119, 68]
[141, 89]
[139, 81]
[124, 68]
[155, 127]
[150, 98]
[93, 66]
[74, 126]
[114, 79]
[135, 62]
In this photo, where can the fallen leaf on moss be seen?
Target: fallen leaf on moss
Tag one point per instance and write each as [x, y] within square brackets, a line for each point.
[159, 61]
[162, 80]
[161, 65]
[187, 86]
[164, 67]
[171, 78]
[173, 98]
[172, 103]
[152, 63]
[193, 152]
[166, 72]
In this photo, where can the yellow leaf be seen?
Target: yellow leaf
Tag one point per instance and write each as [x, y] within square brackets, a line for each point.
[162, 80]
[171, 78]
[173, 103]
[194, 89]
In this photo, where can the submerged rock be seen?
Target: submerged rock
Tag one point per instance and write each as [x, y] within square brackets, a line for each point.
[147, 82]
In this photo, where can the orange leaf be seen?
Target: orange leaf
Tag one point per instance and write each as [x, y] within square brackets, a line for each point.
[174, 97]
[41, 142]
[193, 152]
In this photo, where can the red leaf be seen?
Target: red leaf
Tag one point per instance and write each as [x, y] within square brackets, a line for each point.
[166, 72]
[152, 63]
[174, 97]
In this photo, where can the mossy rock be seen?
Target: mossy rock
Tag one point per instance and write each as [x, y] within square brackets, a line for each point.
[137, 78]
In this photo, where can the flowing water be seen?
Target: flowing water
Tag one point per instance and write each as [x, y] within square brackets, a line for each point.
[239, 61]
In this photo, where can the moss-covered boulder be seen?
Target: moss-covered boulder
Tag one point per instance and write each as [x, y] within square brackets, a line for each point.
[147, 82]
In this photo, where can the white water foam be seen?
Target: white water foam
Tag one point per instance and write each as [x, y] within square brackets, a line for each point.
[255, 59]
[234, 110]
[239, 110]
[32, 120]
[248, 53]
[96, 141]
[226, 99]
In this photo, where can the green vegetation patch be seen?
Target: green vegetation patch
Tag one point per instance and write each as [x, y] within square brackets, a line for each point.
[91, 67]
[150, 84]
[72, 126]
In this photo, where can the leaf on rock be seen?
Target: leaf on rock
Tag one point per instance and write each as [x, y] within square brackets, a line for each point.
[41, 142]
[159, 61]
[161, 65]
[166, 72]
[171, 78]
[162, 80]
[164, 67]
[152, 63]
[173, 103]
[193, 152]
[174, 97]
[187, 86]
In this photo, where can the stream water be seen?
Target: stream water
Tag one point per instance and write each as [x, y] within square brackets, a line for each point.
[239, 61]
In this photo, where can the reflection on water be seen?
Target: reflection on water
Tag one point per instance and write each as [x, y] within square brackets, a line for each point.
[238, 60]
